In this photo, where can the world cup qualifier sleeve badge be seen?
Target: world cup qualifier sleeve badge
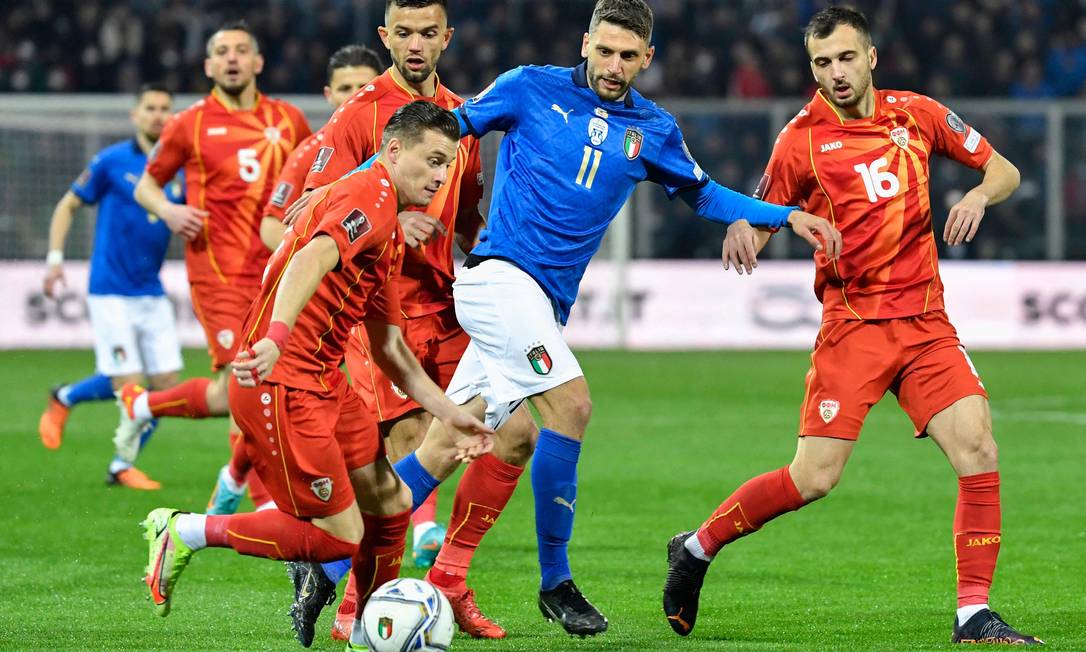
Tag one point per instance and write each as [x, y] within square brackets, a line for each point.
[539, 358]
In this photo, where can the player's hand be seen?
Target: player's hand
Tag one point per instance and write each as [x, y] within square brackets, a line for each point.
[419, 228]
[254, 365]
[964, 219]
[740, 247]
[818, 232]
[473, 437]
[297, 208]
[186, 221]
[54, 278]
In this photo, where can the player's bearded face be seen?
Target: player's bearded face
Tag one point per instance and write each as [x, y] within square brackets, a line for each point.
[842, 64]
[233, 61]
[615, 56]
[422, 167]
[415, 39]
[151, 114]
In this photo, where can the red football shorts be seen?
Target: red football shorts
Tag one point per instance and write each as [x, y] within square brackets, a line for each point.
[303, 443]
[221, 310]
[855, 362]
[438, 343]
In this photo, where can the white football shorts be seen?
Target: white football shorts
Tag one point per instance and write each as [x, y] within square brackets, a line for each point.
[517, 349]
[134, 335]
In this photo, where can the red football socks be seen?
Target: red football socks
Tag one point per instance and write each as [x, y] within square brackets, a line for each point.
[275, 535]
[187, 399]
[484, 490]
[427, 511]
[976, 536]
[758, 501]
[377, 560]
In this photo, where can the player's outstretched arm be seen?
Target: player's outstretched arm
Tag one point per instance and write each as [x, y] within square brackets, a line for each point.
[186, 221]
[300, 280]
[59, 226]
[1001, 178]
[473, 437]
[297, 208]
[271, 231]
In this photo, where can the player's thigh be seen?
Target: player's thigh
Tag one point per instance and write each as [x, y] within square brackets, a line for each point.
[221, 311]
[156, 328]
[963, 431]
[116, 349]
[517, 349]
[290, 437]
[376, 485]
[853, 365]
[405, 433]
[938, 371]
[381, 396]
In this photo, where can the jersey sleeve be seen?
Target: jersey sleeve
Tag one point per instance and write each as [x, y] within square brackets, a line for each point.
[353, 221]
[952, 137]
[92, 183]
[291, 182]
[781, 183]
[468, 217]
[672, 165]
[347, 142]
[171, 151]
[495, 108]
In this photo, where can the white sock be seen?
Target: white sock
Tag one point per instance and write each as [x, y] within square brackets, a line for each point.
[62, 395]
[118, 465]
[421, 529]
[693, 546]
[228, 480]
[140, 407]
[968, 611]
[190, 527]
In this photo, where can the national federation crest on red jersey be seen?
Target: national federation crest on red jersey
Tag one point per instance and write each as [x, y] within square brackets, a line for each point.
[540, 359]
[631, 145]
[900, 136]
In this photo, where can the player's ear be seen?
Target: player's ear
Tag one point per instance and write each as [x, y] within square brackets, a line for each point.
[328, 93]
[259, 64]
[584, 46]
[207, 68]
[393, 150]
[873, 57]
[648, 57]
[382, 33]
[448, 37]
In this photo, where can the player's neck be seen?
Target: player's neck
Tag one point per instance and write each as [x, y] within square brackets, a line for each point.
[145, 143]
[245, 100]
[425, 88]
[861, 110]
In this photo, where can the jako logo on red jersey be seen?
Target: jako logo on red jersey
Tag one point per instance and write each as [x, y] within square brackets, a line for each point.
[829, 147]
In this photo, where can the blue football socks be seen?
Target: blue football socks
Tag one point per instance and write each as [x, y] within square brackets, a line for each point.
[554, 483]
[417, 479]
[91, 388]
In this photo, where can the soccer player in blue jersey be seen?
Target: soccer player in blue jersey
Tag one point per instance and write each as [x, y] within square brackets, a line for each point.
[133, 320]
[577, 141]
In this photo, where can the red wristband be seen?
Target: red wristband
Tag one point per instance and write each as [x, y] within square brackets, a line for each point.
[278, 332]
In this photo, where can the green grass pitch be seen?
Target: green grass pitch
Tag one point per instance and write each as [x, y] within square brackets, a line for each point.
[870, 567]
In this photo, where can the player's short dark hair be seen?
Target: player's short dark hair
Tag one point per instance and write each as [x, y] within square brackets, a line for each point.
[350, 56]
[240, 25]
[634, 15]
[824, 22]
[410, 121]
[151, 87]
[414, 4]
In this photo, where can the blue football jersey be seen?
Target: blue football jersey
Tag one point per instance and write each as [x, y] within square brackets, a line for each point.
[568, 162]
[129, 243]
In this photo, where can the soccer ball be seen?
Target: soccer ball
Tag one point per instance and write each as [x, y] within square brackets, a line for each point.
[407, 614]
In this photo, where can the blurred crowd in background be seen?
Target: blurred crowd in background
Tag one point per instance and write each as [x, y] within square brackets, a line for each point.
[737, 48]
[720, 49]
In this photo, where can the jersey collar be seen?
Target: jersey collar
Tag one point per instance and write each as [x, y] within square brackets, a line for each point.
[218, 100]
[412, 94]
[828, 110]
[580, 78]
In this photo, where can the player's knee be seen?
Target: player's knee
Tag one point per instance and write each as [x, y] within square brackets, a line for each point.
[518, 448]
[818, 483]
[579, 412]
[981, 451]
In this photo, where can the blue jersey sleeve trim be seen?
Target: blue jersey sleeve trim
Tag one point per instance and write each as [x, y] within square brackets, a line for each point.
[716, 203]
[466, 128]
[82, 194]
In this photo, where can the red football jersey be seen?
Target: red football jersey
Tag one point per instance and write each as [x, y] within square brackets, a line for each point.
[870, 178]
[360, 214]
[353, 135]
[292, 178]
[231, 159]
